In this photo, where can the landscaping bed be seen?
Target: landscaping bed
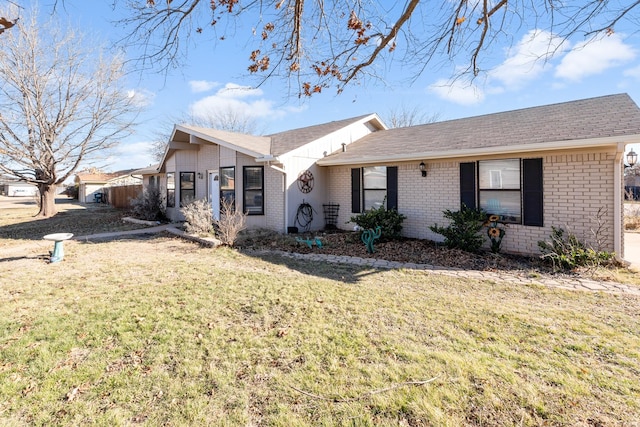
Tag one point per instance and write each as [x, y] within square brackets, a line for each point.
[403, 250]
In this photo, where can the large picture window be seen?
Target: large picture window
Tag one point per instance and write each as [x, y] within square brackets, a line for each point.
[187, 187]
[253, 190]
[228, 185]
[499, 189]
[171, 190]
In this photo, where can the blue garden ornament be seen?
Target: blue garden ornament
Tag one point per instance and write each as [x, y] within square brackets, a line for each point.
[369, 236]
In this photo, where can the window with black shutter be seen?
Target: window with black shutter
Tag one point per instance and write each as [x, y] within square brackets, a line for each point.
[509, 188]
[373, 187]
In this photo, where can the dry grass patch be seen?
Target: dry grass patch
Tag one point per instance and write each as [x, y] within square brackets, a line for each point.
[162, 332]
[19, 224]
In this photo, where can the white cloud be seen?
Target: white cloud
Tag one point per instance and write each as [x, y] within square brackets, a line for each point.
[457, 91]
[633, 72]
[141, 97]
[594, 57]
[238, 98]
[202, 85]
[528, 59]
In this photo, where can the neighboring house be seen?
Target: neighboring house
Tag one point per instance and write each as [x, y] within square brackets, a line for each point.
[92, 184]
[557, 165]
[13, 188]
[150, 176]
[632, 187]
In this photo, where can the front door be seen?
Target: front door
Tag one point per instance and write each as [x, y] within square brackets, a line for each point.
[214, 193]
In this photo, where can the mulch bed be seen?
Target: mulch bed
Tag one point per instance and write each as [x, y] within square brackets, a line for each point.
[405, 250]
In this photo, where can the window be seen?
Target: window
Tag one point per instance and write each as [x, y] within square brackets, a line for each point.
[228, 185]
[171, 190]
[187, 187]
[373, 187]
[153, 181]
[510, 188]
[499, 189]
[253, 190]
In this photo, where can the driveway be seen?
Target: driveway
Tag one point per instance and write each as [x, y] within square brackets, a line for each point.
[17, 202]
[632, 249]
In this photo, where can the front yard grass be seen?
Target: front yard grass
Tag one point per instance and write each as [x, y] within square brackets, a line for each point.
[20, 224]
[159, 331]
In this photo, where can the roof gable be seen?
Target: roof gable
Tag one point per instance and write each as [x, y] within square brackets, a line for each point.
[248, 144]
[557, 125]
[262, 147]
[284, 142]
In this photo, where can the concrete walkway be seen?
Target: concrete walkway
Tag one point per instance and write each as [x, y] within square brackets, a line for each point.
[562, 282]
[116, 234]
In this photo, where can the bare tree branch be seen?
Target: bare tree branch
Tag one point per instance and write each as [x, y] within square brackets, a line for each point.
[321, 44]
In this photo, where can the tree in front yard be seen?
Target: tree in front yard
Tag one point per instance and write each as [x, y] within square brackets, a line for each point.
[62, 104]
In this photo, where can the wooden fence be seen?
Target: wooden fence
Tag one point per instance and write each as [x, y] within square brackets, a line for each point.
[120, 197]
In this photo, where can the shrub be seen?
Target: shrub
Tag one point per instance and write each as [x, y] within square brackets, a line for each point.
[231, 222]
[389, 220]
[464, 230]
[566, 252]
[198, 217]
[149, 205]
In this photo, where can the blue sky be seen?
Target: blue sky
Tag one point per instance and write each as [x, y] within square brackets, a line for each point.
[215, 72]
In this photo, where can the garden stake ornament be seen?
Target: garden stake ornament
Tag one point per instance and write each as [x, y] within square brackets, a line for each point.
[495, 231]
[368, 237]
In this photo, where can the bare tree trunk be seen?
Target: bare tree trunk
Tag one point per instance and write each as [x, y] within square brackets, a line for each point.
[47, 200]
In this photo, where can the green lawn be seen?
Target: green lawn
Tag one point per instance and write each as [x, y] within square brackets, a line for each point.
[159, 331]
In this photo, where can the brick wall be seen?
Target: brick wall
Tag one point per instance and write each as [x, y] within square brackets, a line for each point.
[578, 188]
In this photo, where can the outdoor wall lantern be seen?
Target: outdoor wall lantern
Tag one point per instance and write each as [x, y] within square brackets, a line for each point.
[632, 158]
[200, 176]
[423, 169]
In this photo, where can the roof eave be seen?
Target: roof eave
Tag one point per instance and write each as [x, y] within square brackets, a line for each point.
[487, 151]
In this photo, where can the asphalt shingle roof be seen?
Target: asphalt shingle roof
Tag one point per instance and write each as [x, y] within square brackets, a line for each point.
[602, 117]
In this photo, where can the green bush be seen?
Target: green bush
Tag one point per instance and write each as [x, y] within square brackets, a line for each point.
[464, 230]
[389, 220]
[566, 252]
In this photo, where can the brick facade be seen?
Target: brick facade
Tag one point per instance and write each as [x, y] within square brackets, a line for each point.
[578, 196]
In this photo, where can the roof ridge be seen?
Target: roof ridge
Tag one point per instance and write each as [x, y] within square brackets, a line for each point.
[520, 110]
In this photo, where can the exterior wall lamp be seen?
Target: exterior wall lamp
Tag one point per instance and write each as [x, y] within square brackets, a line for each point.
[200, 176]
[423, 169]
[632, 158]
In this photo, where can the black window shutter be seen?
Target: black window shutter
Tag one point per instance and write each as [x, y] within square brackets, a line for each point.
[468, 184]
[532, 209]
[392, 187]
[355, 190]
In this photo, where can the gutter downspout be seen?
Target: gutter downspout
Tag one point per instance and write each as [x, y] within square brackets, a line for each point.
[286, 198]
[618, 205]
